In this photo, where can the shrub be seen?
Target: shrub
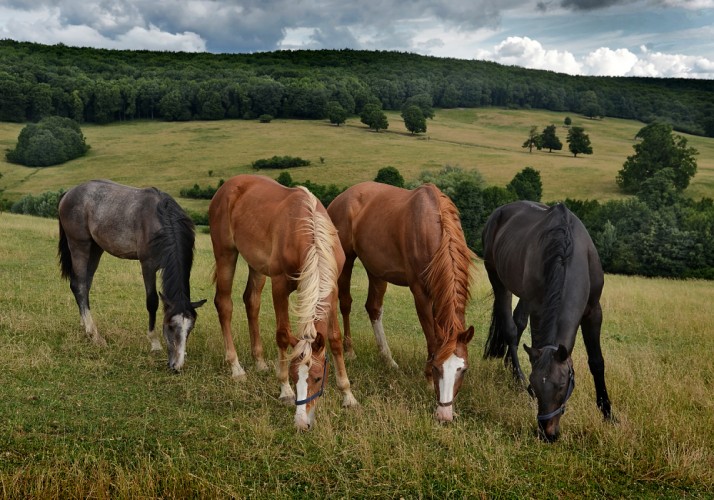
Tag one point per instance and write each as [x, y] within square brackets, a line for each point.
[51, 141]
[199, 193]
[390, 175]
[280, 162]
[265, 118]
[42, 205]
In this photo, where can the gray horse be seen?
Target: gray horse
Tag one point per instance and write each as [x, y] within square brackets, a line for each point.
[130, 223]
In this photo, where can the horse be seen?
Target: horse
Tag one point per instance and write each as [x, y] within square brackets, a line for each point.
[285, 234]
[545, 256]
[410, 238]
[131, 223]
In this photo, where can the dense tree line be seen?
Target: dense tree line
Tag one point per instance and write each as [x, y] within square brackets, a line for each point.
[102, 86]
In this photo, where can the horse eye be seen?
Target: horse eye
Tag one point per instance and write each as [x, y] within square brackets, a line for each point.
[318, 379]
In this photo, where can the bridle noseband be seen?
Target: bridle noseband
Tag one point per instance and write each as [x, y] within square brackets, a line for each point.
[571, 386]
[322, 385]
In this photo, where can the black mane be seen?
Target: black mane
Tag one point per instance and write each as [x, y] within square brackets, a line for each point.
[175, 244]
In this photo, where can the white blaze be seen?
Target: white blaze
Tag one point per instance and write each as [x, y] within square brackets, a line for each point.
[446, 386]
[183, 324]
[303, 419]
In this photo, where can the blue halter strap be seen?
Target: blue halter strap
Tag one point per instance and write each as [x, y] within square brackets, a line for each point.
[322, 385]
[571, 386]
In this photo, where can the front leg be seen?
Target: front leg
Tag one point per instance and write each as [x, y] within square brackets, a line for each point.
[283, 337]
[148, 272]
[591, 325]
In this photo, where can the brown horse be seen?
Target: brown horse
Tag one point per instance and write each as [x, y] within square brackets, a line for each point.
[410, 238]
[286, 234]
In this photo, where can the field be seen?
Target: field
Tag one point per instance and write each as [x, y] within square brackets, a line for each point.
[80, 421]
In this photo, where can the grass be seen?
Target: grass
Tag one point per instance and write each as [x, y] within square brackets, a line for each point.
[80, 421]
[172, 156]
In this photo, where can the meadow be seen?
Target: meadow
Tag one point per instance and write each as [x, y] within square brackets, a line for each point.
[81, 421]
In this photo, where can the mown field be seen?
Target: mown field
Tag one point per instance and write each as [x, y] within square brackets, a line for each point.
[81, 421]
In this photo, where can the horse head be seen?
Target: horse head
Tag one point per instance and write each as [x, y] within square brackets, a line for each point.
[309, 374]
[448, 369]
[552, 381]
[178, 324]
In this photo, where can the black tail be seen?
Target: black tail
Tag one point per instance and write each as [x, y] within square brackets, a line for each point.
[496, 341]
[65, 257]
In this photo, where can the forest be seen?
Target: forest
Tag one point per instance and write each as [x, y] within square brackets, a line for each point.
[103, 86]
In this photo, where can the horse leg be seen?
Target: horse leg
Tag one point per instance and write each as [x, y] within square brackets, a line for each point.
[503, 333]
[251, 299]
[520, 320]
[281, 290]
[374, 307]
[591, 324]
[424, 305]
[85, 259]
[225, 271]
[343, 381]
[343, 283]
[148, 272]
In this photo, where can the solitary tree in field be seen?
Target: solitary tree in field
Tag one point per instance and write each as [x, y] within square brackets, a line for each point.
[579, 142]
[414, 119]
[658, 150]
[549, 140]
[373, 116]
[390, 175]
[533, 139]
[336, 113]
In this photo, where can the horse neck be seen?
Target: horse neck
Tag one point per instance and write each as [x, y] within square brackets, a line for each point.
[448, 275]
[557, 251]
[318, 274]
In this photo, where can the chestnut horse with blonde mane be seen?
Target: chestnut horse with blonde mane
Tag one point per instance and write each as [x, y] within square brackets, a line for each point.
[286, 234]
[410, 238]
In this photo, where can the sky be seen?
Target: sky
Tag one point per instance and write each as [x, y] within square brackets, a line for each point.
[656, 38]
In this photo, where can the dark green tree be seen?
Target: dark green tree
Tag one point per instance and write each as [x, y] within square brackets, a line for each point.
[657, 150]
[391, 176]
[533, 140]
[526, 185]
[590, 104]
[423, 102]
[549, 140]
[52, 141]
[336, 113]
[414, 119]
[579, 141]
[373, 116]
[567, 122]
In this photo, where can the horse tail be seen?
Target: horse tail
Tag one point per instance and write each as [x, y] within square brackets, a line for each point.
[448, 275]
[558, 249]
[317, 278]
[63, 252]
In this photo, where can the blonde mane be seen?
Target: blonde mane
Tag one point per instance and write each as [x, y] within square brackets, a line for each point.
[317, 279]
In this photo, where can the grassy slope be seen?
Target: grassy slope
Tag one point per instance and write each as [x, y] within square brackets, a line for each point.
[79, 421]
[174, 156]
[76, 420]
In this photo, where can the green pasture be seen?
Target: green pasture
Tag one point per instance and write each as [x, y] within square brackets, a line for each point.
[173, 156]
[78, 421]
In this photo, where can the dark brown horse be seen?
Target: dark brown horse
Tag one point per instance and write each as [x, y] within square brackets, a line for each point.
[286, 234]
[410, 238]
[544, 255]
[130, 223]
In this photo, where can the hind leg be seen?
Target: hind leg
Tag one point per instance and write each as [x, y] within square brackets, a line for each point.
[152, 304]
[225, 270]
[251, 299]
[343, 283]
[375, 307]
[85, 260]
[334, 337]
[591, 324]
[503, 332]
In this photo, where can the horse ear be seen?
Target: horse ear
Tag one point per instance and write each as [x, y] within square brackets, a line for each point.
[318, 344]
[465, 337]
[198, 304]
[562, 353]
[533, 353]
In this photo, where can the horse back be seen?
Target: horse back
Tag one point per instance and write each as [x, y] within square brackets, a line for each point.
[120, 219]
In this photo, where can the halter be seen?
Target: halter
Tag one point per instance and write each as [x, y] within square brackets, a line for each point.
[571, 386]
[322, 385]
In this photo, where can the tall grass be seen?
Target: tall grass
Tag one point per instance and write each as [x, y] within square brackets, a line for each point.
[81, 421]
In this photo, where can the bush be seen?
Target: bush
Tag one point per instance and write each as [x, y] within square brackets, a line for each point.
[52, 141]
[42, 205]
[265, 118]
[199, 193]
[280, 162]
[391, 176]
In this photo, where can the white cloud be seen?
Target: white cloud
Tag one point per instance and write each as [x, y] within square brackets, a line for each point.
[522, 51]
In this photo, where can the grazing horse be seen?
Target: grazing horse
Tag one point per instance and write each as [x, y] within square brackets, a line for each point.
[544, 255]
[286, 234]
[130, 223]
[410, 238]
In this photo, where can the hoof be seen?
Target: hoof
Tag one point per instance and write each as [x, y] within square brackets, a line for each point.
[287, 400]
[261, 366]
[99, 341]
[156, 348]
[349, 401]
[349, 354]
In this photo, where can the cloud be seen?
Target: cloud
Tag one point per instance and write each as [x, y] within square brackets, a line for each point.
[522, 51]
